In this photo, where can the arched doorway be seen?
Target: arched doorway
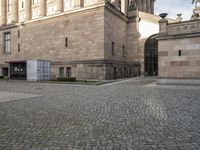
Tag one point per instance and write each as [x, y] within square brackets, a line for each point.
[151, 56]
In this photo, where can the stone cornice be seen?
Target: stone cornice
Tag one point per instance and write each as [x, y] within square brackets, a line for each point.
[179, 36]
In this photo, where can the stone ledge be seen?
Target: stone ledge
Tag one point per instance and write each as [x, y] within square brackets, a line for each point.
[195, 82]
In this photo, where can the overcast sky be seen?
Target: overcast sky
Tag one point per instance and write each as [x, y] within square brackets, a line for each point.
[173, 7]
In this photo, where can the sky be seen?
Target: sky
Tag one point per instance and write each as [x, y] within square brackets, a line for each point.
[173, 7]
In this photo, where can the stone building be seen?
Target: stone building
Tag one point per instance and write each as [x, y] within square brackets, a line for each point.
[86, 39]
[179, 52]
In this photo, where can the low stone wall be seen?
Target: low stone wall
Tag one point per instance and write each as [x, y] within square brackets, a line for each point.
[179, 52]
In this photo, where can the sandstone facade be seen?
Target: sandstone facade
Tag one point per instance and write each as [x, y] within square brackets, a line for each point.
[95, 39]
[179, 50]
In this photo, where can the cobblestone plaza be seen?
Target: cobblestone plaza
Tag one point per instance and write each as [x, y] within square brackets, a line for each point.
[135, 114]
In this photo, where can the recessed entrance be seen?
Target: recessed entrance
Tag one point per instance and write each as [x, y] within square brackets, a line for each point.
[18, 70]
[151, 56]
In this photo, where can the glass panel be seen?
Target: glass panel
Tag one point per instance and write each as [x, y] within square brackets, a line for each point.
[151, 56]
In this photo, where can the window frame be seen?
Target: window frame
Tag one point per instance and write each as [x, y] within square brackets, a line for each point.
[6, 42]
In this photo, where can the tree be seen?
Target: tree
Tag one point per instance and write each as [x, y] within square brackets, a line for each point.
[195, 2]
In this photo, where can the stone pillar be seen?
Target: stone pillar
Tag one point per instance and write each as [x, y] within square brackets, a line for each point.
[78, 3]
[163, 25]
[152, 6]
[124, 6]
[144, 7]
[149, 6]
[3, 20]
[117, 4]
[59, 6]
[139, 5]
[15, 11]
[28, 10]
[43, 8]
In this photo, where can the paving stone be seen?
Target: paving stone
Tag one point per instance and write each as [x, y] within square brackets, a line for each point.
[132, 114]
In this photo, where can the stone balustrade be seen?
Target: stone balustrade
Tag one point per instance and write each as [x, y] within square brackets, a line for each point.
[179, 28]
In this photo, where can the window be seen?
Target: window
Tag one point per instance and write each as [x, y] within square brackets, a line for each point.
[18, 49]
[113, 48]
[68, 4]
[179, 53]
[35, 13]
[66, 42]
[123, 51]
[51, 9]
[22, 5]
[35, 2]
[68, 72]
[18, 34]
[89, 2]
[7, 42]
[61, 71]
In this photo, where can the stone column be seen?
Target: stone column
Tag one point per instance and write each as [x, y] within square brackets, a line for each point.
[144, 6]
[78, 3]
[152, 6]
[43, 8]
[139, 4]
[117, 4]
[15, 11]
[124, 6]
[3, 12]
[28, 10]
[59, 6]
[148, 6]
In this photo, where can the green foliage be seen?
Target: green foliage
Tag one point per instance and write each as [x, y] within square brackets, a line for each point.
[1, 77]
[195, 1]
[70, 79]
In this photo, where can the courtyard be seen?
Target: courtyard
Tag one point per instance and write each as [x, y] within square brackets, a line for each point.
[134, 114]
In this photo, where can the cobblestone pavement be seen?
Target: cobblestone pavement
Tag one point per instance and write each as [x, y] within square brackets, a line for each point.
[128, 115]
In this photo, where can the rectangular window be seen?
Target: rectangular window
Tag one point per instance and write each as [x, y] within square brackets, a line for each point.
[22, 5]
[66, 42]
[179, 53]
[18, 33]
[7, 42]
[18, 48]
[123, 49]
[68, 4]
[113, 48]
[61, 71]
[35, 2]
[68, 72]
